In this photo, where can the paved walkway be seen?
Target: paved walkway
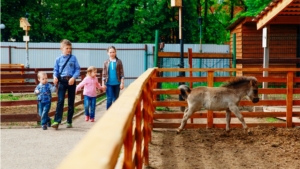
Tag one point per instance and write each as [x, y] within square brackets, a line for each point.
[34, 148]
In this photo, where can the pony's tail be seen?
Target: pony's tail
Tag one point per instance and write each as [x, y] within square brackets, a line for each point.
[184, 91]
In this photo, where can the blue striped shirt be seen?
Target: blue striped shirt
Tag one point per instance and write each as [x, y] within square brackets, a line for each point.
[72, 68]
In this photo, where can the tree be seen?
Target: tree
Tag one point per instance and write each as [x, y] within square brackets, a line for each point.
[126, 21]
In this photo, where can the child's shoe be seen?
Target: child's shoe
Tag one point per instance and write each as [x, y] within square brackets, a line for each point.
[55, 125]
[92, 120]
[49, 123]
[87, 118]
[44, 127]
[69, 125]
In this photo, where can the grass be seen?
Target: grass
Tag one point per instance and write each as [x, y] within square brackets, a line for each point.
[271, 119]
[15, 97]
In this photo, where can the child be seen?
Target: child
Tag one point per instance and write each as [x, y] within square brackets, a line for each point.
[66, 70]
[43, 92]
[113, 76]
[90, 83]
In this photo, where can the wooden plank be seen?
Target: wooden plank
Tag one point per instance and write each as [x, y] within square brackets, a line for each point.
[195, 55]
[128, 149]
[232, 125]
[236, 125]
[217, 114]
[285, 19]
[242, 103]
[260, 90]
[19, 102]
[176, 125]
[139, 135]
[271, 60]
[17, 89]
[273, 13]
[19, 117]
[289, 99]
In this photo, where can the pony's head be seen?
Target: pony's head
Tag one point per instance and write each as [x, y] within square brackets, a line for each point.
[253, 92]
[248, 84]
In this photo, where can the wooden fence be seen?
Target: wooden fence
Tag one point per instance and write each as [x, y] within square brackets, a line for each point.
[128, 123]
[9, 85]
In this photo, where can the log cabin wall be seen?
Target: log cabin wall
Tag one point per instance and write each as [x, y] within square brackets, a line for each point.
[249, 50]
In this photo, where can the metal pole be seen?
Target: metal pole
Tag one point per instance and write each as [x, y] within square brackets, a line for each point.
[27, 55]
[234, 53]
[181, 64]
[266, 58]
[156, 48]
[200, 60]
[146, 58]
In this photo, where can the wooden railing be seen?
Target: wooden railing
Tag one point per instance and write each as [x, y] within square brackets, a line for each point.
[28, 87]
[128, 123]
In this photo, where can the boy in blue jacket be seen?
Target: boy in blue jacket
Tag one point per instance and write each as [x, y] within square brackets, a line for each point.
[43, 92]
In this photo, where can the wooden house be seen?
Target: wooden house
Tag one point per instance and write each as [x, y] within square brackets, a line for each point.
[281, 18]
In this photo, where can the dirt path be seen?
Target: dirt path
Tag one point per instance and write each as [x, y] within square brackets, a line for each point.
[265, 147]
[34, 148]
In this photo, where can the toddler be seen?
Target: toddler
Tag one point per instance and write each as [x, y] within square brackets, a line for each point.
[43, 92]
[90, 84]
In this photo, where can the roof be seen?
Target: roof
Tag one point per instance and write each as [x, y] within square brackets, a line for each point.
[241, 20]
[279, 12]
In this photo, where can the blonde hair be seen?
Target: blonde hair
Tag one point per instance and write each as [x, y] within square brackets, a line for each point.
[65, 42]
[41, 73]
[90, 70]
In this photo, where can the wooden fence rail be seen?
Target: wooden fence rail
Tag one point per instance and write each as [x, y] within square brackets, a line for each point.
[125, 129]
[10, 86]
[290, 82]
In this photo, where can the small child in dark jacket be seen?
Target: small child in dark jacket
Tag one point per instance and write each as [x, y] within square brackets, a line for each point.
[43, 92]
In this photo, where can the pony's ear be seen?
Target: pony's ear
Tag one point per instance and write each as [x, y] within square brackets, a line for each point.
[252, 82]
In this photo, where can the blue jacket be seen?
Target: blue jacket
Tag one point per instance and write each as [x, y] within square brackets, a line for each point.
[72, 68]
[45, 91]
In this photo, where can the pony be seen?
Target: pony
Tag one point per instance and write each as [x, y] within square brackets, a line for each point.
[226, 97]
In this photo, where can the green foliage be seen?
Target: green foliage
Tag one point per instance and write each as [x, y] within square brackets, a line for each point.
[271, 119]
[126, 21]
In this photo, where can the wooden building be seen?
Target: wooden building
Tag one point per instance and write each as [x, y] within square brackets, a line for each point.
[282, 20]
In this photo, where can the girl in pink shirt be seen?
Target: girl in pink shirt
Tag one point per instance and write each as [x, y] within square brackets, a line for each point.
[90, 83]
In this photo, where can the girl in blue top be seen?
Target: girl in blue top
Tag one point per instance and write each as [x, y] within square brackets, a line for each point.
[113, 76]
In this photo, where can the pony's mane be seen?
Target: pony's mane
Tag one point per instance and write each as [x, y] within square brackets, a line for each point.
[238, 80]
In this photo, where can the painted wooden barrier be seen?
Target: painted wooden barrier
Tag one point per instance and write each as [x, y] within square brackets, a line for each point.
[9, 85]
[128, 122]
[10, 73]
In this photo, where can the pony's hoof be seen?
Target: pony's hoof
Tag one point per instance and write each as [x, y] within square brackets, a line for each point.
[178, 131]
[249, 132]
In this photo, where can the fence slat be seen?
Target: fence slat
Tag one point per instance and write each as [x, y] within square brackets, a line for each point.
[289, 99]
[19, 117]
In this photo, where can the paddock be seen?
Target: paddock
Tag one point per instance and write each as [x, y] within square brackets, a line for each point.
[125, 131]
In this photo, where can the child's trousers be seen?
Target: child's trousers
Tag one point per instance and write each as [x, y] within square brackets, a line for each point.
[43, 112]
[89, 106]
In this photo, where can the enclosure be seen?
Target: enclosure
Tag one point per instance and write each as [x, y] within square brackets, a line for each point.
[137, 117]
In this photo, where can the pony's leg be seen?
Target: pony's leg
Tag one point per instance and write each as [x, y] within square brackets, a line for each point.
[228, 119]
[237, 113]
[187, 113]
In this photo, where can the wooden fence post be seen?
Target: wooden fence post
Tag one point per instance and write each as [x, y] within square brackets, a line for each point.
[190, 56]
[146, 129]
[139, 136]
[289, 99]
[128, 149]
[210, 113]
